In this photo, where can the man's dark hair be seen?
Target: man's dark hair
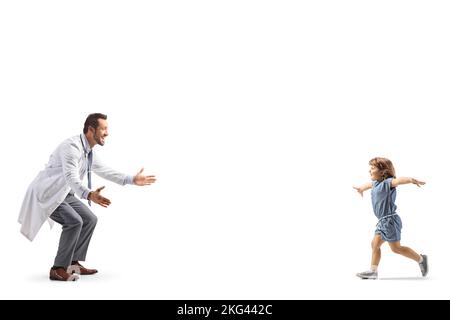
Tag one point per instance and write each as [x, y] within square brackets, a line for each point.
[92, 121]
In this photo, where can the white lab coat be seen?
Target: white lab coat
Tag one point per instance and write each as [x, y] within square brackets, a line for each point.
[65, 171]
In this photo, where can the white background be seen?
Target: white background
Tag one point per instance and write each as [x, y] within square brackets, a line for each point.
[257, 117]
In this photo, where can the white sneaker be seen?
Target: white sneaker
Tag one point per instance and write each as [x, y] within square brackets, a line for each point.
[368, 275]
[424, 265]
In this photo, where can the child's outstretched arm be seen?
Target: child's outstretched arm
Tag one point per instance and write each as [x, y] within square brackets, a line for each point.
[405, 180]
[363, 188]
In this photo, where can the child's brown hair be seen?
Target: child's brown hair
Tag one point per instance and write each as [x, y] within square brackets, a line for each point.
[385, 167]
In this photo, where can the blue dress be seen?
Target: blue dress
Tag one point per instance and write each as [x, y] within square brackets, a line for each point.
[389, 224]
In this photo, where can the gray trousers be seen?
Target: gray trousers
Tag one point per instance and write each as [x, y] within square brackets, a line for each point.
[78, 224]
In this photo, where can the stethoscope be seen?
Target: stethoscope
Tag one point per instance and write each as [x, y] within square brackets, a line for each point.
[84, 148]
[86, 155]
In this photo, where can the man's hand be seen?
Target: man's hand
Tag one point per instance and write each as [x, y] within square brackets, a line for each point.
[96, 197]
[142, 180]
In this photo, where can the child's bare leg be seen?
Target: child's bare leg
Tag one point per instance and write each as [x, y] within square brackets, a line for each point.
[376, 256]
[376, 251]
[404, 251]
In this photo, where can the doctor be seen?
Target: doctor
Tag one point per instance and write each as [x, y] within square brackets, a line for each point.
[52, 195]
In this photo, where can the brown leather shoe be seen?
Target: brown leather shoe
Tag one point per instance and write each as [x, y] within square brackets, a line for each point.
[60, 274]
[77, 268]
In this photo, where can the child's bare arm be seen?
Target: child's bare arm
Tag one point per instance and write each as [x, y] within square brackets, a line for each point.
[363, 188]
[405, 180]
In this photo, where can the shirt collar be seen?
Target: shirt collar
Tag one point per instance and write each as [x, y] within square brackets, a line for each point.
[85, 142]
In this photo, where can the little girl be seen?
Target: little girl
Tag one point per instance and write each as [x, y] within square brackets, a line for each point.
[384, 191]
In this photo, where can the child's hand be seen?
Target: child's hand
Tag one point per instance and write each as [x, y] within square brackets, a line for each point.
[360, 190]
[417, 182]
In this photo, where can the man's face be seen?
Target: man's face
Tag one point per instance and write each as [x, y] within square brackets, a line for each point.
[101, 132]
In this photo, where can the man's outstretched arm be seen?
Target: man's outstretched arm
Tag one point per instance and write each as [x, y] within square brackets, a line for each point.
[120, 178]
